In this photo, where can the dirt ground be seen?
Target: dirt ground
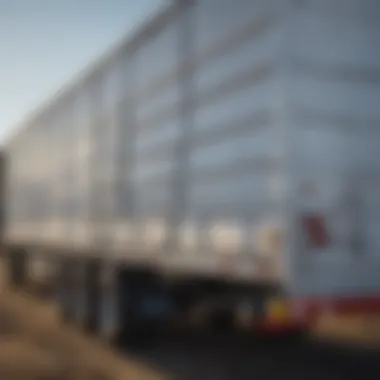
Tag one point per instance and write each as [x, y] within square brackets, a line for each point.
[35, 345]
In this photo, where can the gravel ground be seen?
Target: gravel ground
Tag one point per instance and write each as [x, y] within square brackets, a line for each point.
[35, 346]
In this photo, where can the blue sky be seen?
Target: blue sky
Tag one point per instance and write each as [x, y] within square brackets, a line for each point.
[44, 43]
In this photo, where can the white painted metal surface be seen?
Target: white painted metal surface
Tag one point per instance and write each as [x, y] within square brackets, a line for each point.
[200, 143]
[335, 116]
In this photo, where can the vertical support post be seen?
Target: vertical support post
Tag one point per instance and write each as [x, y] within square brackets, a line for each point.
[121, 304]
[96, 131]
[18, 267]
[125, 148]
[179, 201]
[93, 294]
[66, 290]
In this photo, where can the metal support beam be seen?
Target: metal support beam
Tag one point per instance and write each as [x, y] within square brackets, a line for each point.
[186, 83]
[93, 295]
[18, 267]
[66, 292]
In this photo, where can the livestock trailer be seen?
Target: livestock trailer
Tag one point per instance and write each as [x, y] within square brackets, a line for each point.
[229, 143]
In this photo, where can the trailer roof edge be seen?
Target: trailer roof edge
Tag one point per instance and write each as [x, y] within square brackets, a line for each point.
[128, 41]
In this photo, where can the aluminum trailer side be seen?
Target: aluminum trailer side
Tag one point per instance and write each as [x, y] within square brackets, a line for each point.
[142, 161]
[3, 166]
[224, 139]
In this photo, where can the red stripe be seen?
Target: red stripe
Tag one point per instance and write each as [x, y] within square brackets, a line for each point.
[339, 305]
[278, 328]
[312, 308]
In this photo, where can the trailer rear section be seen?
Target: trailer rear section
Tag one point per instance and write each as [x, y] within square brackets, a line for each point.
[223, 160]
[335, 161]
